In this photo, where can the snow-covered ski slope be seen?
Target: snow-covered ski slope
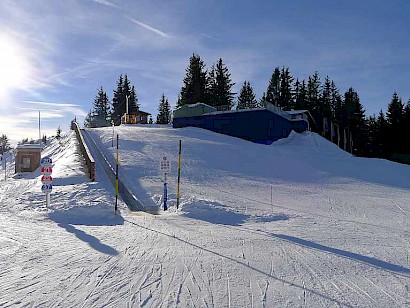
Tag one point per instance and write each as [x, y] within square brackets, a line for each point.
[299, 223]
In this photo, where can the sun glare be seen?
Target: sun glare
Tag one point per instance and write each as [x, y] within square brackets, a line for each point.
[12, 66]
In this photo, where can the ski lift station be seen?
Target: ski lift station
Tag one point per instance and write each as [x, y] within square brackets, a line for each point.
[259, 125]
[27, 157]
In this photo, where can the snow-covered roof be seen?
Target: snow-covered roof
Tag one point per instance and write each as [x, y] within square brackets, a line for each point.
[284, 114]
[234, 111]
[296, 111]
[29, 146]
[197, 104]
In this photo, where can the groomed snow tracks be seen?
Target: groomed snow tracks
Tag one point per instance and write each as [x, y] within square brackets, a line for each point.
[126, 195]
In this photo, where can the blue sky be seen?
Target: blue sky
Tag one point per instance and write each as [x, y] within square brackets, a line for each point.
[54, 55]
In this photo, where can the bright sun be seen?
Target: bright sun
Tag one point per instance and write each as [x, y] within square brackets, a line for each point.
[13, 69]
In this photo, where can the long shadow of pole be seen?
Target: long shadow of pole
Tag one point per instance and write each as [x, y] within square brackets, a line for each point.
[246, 265]
[89, 239]
[379, 264]
[347, 254]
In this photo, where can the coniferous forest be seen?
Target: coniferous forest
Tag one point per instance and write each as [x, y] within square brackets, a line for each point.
[337, 115]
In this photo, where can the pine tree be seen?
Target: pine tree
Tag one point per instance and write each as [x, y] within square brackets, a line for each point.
[313, 100]
[395, 117]
[4, 144]
[262, 101]
[130, 96]
[382, 135]
[118, 102]
[220, 85]
[164, 111]
[395, 111]
[356, 123]
[246, 99]
[325, 106]
[372, 142]
[406, 126]
[300, 94]
[88, 120]
[211, 88]
[335, 99]
[133, 105]
[273, 90]
[124, 92]
[58, 133]
[101, 110]
[194, 89]
[406, 113]
[285, 90]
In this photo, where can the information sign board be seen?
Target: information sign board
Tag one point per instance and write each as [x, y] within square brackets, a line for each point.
[164, 164]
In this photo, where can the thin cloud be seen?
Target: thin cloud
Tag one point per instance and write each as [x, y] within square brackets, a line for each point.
[152, 29]
[43, 115]
[51, 104]
[73, 109]
[107, 3]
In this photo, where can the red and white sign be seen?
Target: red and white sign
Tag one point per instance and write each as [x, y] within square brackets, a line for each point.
[46, 171]
[46, 179]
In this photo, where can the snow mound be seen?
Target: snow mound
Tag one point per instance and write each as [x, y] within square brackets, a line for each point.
[313, 143]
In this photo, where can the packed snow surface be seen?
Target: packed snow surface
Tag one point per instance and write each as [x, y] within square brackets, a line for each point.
[299, 223]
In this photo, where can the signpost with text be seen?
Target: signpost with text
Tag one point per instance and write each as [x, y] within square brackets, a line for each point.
[46, 179]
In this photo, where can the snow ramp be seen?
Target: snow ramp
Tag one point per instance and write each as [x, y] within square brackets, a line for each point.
[130, 199]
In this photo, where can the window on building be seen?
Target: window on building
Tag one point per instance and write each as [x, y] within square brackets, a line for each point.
[26, 162]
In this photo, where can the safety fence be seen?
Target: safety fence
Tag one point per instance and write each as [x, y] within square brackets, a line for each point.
[89, 159]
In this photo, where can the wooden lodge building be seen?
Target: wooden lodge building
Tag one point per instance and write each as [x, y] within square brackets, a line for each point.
[139, 117]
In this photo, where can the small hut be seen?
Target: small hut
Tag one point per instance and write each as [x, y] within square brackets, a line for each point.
[28, 157]
[139, 117]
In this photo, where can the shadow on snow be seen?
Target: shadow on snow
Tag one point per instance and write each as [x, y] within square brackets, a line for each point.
[343, 253]
[88, 216]
[213, 212]
[94, 242]
[243, 263]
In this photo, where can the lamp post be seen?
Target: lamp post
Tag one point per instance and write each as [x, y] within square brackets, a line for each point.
[126, 108]
[39, 129]
[112, 139]
[126, 99]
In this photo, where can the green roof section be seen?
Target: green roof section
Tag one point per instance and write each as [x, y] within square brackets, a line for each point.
[193, 110]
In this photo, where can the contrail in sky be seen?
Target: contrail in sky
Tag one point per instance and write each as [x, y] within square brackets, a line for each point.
[159, 32]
